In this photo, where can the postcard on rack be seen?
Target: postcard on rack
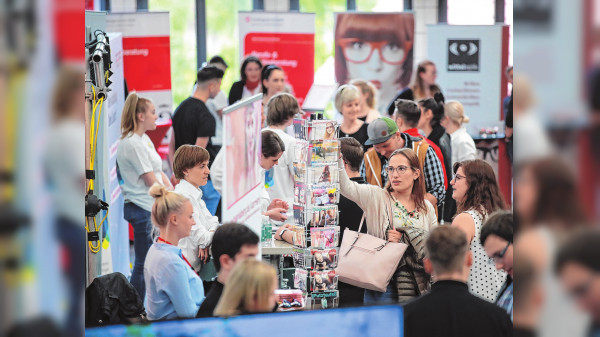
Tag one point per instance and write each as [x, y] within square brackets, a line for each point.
[323, 237]
[299, 171]
[301, 150]
[330, 150]
[299, 237]
[323, 280]
[323, 173]
[299, 128]
[322, 129]
[323, 216]
[324, 258]
[300, 193]
[299, 219]
[300, 278]
[324, 195]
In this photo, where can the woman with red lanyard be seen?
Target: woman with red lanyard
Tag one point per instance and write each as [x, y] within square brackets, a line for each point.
[173, 289]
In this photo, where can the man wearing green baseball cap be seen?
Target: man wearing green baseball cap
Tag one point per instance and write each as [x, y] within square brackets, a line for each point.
[386, 138]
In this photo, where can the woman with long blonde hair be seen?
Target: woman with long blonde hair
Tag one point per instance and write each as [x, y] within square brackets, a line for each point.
[250, 289]
[139, 166]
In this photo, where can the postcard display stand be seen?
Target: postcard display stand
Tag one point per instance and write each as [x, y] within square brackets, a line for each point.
[316, 197]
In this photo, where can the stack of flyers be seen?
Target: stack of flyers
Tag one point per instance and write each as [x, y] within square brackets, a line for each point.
[300, 278]
[324, 258]
[300, 193]
[322, 129]
[299, 171]
[324, 195]
[323, 237]
[299, 237]
[324, 216]
[323, 280]
[325, 151]
[299, 215]
[301, 151]
[323, 173]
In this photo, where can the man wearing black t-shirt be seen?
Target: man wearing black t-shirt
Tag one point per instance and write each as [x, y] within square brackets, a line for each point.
[193, 124]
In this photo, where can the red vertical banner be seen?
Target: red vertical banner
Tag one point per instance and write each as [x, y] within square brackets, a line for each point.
[283, 39]
[146, 55]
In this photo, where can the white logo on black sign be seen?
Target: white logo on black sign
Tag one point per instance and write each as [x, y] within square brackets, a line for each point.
[463, 55]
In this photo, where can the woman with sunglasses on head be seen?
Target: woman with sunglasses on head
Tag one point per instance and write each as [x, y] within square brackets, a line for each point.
[397, 213]
[376, 48]
[272, 79]
[477, 196]
[347, 102]
[249, 85]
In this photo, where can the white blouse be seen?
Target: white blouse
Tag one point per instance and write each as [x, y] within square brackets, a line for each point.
[463, 146]
[206, 224]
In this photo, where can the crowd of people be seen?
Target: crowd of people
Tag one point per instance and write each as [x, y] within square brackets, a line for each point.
[410, 170]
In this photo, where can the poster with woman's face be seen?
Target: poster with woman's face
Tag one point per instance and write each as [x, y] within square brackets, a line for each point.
[375, 47]
[243, 150]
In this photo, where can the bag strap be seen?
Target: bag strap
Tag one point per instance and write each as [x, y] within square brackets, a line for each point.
[361, 222]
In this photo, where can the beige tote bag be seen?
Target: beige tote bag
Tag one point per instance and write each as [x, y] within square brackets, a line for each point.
[367, 261]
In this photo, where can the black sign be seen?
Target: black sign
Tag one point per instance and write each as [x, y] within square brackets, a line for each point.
[463, 55]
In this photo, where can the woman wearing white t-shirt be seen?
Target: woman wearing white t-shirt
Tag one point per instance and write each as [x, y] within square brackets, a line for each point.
[140, 167]
[281, 111]
[463, 146]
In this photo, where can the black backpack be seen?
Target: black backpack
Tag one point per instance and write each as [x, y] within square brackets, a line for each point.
[111, 299]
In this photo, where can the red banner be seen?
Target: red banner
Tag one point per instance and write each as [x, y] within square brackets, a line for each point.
[148, 63]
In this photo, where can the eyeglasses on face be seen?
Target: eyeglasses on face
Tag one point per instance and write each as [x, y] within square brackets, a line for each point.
[497, 256]
[360, 51]
[400, 169]
[458, 177]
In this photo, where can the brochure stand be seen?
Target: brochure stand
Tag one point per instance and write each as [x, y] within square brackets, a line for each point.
[316, 197]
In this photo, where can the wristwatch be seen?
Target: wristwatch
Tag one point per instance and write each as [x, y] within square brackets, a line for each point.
[281, 234]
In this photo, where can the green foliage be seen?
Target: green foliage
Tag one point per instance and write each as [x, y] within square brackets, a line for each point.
[183, 45]
[223, 36]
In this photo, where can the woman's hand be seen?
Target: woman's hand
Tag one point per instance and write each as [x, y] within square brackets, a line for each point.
[277, 214]
[394, 235]
[204, 254]
[278, 203]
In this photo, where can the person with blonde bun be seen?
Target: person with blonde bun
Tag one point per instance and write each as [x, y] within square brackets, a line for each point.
[139, 166]
[174, 290]
[250, 289]
[463, 146]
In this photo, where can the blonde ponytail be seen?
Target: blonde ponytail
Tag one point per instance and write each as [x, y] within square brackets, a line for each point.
[456, 112]
[133, 105]
[165, 203]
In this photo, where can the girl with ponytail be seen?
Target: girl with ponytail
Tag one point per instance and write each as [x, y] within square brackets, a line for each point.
[174, 290]
[139, 166]
[463, 146]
